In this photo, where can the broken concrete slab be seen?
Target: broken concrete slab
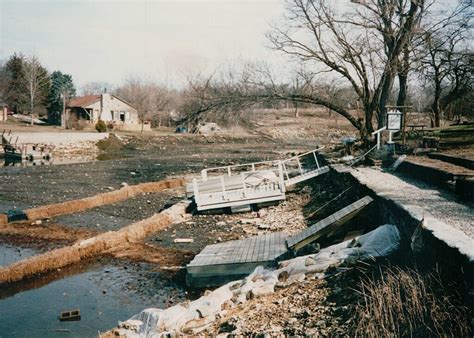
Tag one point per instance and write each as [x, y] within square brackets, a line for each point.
[448, 221]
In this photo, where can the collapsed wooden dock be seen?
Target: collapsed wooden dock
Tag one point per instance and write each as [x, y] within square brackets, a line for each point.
[252, 183]
[25, 151]
[223, 262]
[219, 263]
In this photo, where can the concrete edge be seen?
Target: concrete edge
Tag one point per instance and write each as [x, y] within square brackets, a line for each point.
[449, 235]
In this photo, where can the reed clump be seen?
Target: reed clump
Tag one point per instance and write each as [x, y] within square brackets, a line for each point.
[402, 302]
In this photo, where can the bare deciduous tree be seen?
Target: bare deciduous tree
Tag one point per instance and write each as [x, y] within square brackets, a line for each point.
[361, 45]
[94, 88]
[447, 68]
[149, 98]
[37, 82]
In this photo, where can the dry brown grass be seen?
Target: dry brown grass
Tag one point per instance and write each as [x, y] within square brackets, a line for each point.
[144, 252]
[70, 207]
[45, 231]
[400, 302]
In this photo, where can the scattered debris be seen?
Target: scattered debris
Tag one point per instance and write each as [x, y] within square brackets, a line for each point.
[71, 315]
[397, 163]
[220, 263]
[183, 240]
[214, 308]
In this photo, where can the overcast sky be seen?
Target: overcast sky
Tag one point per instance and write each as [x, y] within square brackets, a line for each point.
[165, 40]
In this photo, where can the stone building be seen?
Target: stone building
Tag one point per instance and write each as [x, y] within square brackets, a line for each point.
[89, 109]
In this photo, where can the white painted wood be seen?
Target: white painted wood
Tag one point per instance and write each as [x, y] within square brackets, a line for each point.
[254, 186]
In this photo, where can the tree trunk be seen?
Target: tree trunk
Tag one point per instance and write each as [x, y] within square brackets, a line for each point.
[31, 111]
[403, 77]
[436, 104]
[384, 96]
[402, 94]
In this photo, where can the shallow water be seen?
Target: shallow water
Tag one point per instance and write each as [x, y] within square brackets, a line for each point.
[104, 294]
[57, 160]
[92, 219]
[10, 254]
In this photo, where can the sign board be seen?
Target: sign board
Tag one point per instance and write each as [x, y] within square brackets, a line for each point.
[394, 120]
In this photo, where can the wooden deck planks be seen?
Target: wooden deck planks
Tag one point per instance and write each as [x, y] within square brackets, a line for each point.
[255, 249]
[326, 225]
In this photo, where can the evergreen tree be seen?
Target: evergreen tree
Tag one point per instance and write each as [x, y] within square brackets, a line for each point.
[15, 91]
[62, 88]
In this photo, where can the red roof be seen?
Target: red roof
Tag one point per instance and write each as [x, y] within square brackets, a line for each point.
[83, 101]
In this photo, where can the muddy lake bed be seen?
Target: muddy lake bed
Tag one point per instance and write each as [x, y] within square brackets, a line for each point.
[106, 290]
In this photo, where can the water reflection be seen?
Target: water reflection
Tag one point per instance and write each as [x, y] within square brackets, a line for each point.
[12, 162]
[25, 163]
[105, 294]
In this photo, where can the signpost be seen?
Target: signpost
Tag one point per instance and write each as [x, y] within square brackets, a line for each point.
[394, 123]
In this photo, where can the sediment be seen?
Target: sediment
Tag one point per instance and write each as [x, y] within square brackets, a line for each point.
[70, 207]
[93, 246]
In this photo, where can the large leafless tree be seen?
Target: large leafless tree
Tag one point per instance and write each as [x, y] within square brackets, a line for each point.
[446, 61]
[37, 82]
[361, 45]
[358, 44]
[150, 99]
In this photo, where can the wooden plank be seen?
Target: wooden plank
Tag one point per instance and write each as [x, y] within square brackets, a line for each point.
[328, 224]
[237, 202]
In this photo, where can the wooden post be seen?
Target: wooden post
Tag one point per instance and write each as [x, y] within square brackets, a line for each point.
[299, 165]
[196, 192]
[316, 159]
[243, 183]
[404, 125]
[284, 168]
[282, 178]
[222, 184]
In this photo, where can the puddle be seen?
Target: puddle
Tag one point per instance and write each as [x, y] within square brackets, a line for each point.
[10, 205]
[10, 254]
[104, 295]
[94, 220]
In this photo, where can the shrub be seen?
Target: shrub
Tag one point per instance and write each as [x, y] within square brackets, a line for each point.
[100, 126]
[110, 125]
